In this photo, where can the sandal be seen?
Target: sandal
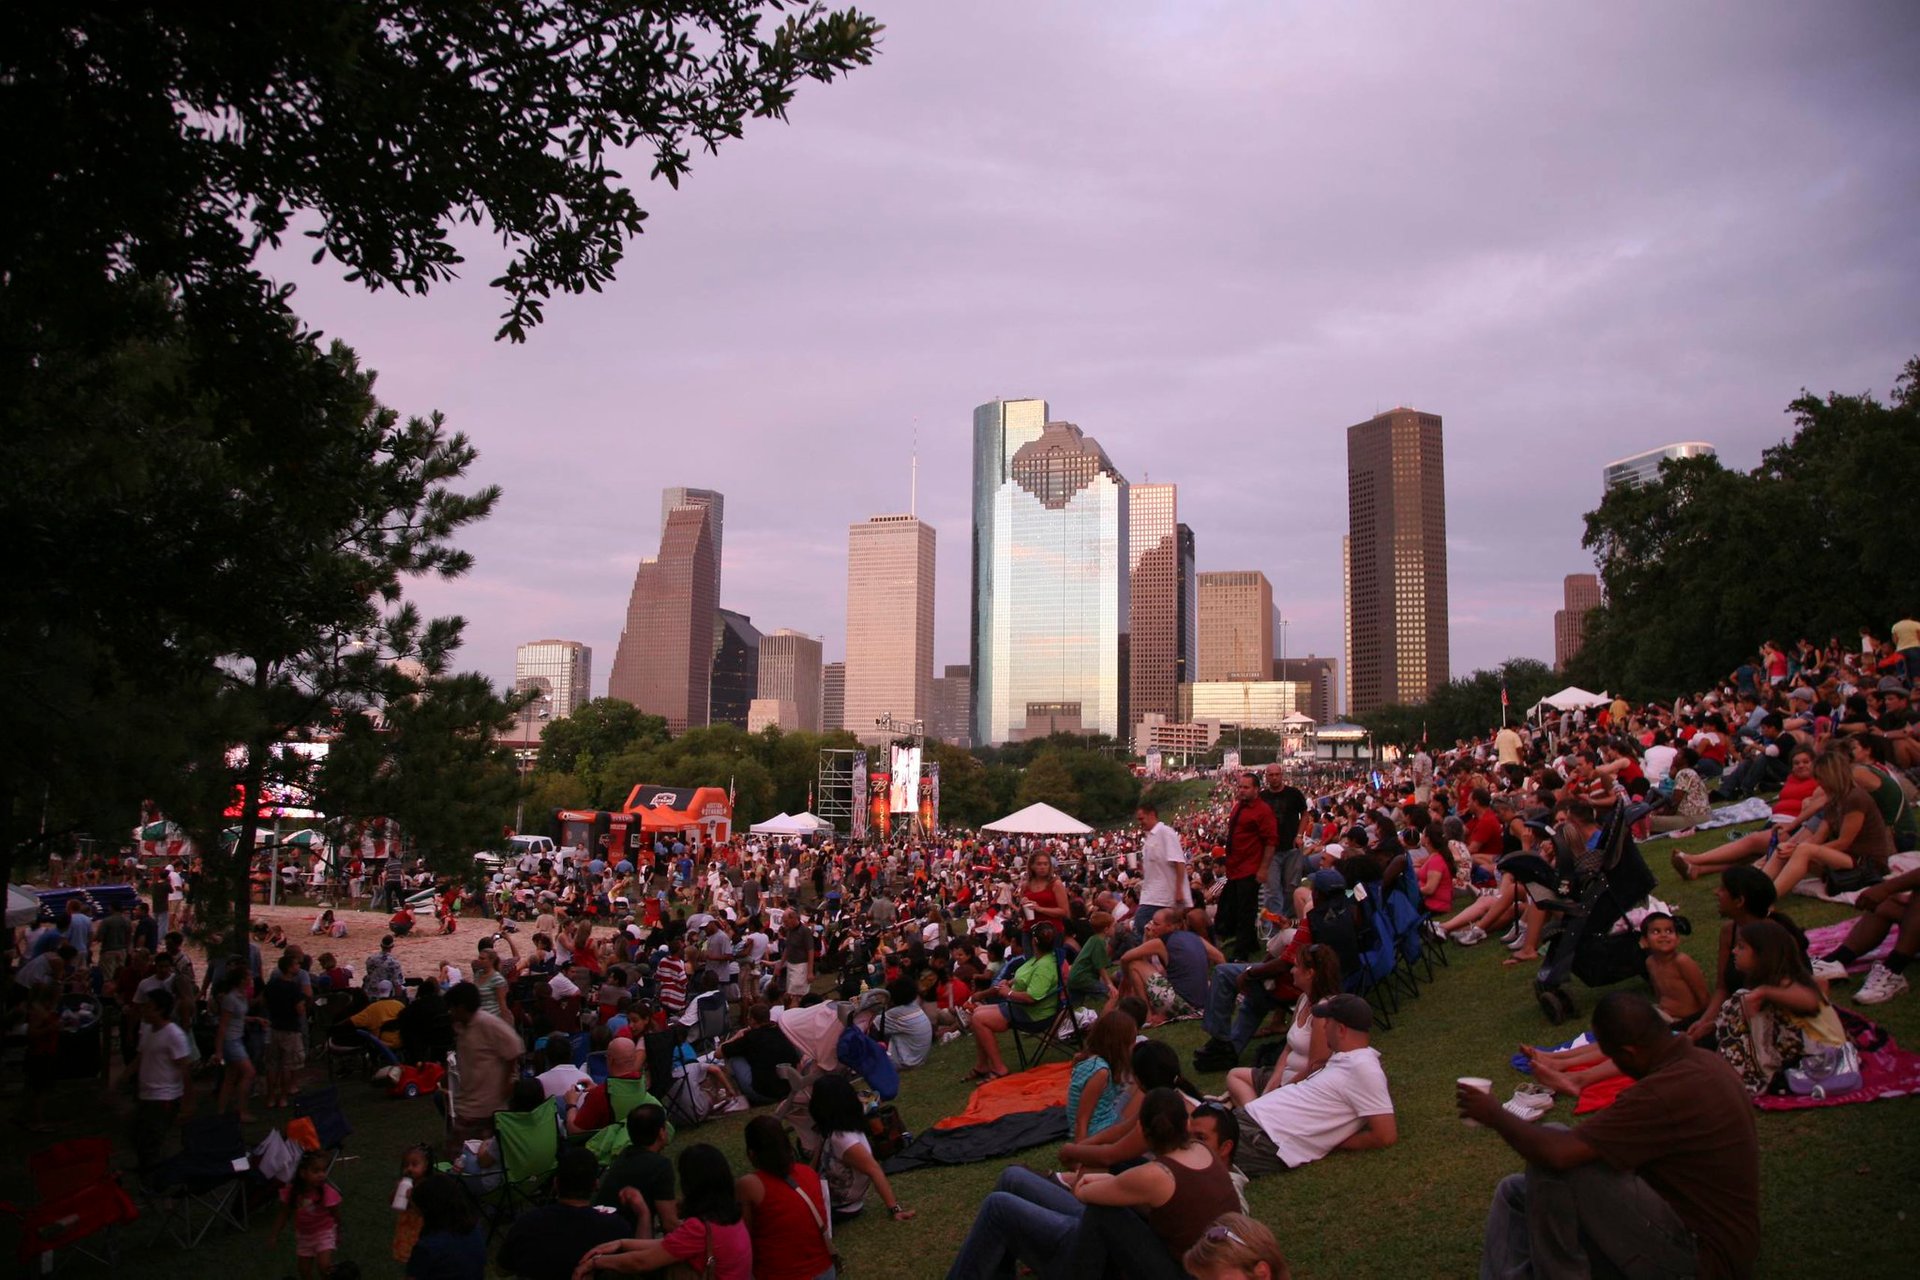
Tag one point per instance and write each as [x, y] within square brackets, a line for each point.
[1519, 958]
[1682, 866]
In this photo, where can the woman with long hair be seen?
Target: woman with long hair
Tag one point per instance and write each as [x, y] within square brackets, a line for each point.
[1044, 894]
[712, 1238]
[845, 1158]
[786, 1208]
[1100, 1076]
[1854, 830]
[1316, 975]
[1779, 1014]
[1154, 1066]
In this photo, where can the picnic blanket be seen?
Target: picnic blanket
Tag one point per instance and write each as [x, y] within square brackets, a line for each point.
[1035, 1090]
[1815, 887]
[1824, 938]
[1752, 809]
[1015, 1112]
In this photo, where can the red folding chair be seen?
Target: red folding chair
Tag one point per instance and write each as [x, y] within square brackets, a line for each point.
[77, 1196]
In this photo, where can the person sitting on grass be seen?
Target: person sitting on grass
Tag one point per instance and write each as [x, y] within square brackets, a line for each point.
[1889, 903]
[1154, 1065]
[845, 1157]
[1779, 1013]
[1315, 974]
[711, 1228]
[1792, 820]
[1235, 1247]
[1743, 896]
[1689, 805]
[1099, 1077]
[1032, 995]
[1169, 970]
[1665, 1182]
[1855, 834]
[786, 1208]
[1344, 1105]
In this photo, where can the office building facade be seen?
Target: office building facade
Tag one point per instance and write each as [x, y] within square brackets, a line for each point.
[1320, 678]
[1249, 704]
[1050, 587]
[664, 663]
[1396, 560]
[1644, 468]
[708, 500]
[1153, 600]
[790, 670]
[953, 706]
[890, 562]
[562, 670]
[1580, 595]
[736, 668]
[1236, 625]
[833, 697]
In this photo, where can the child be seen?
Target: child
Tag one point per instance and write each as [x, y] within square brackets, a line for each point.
[415, 1165]
[1679, 986]
[315, 1207]
[1100, 1074]
[1779, 1014]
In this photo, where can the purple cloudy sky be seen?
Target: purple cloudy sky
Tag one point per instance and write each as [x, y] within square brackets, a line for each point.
[1214, 235]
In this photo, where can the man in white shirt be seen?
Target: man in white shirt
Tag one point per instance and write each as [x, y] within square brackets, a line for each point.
[1163, 863]
[165, 1061]
[1344, 1105]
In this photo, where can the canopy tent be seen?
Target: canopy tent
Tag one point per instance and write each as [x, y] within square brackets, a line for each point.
[23, 907]
[1571, 698]
[790, 824]
[1040, 820]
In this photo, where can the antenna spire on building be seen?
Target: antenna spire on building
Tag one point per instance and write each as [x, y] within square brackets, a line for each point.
[913, 482]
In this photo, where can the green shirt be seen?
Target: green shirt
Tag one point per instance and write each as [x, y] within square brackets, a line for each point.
[1039, 978]
[1090, 966]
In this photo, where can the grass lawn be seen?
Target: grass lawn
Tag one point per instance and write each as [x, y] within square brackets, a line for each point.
[1839, 1184]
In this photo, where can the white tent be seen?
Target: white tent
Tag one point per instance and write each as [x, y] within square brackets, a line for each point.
[1040, 820]
[22, 907]
[1571, 698]
[790, 824]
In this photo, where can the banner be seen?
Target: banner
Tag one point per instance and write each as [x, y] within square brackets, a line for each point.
[1230, 760]
[904, 783]
[929, 798]
[857, 818]
[1154, 762]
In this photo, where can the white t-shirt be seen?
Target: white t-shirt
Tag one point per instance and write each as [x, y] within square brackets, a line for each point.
[756, 947]
[1163, 880]
[561, 1081]
[161, 1049]
[909, 1034]
[1311, 1118]
[847, 1185]
[1657, 763]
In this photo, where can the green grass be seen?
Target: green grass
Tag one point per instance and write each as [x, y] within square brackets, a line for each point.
[1838, 1184]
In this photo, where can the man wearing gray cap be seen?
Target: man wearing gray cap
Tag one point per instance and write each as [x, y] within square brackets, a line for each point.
[1344, 1105]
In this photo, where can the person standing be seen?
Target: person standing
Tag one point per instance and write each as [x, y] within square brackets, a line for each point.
[489, 1058]
[165, 1064]
[1252, 836]
[116, 935]
[1289, 805]
[1163, 866]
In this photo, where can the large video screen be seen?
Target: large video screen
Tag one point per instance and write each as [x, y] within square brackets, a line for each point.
[904, 790]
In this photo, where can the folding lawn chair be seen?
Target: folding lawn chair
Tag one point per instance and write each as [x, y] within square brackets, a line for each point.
[529, 1157]
[622, 1097]
[1378, 956]
[321, 1106]
[1033, 1037]
[205, 1183]
[77, 1197]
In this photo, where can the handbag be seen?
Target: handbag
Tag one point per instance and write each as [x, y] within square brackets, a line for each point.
[1864, 873]
[1835, 1070]
[886, 1132]
[826, 1236]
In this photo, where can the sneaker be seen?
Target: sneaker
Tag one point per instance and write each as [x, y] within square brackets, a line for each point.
[1882, 985]
[1531, 1101]
[1513, 934]
[1471, 936]
[1830, 970]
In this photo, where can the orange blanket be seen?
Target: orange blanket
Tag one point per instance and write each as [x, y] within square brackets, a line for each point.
[1035, 1090]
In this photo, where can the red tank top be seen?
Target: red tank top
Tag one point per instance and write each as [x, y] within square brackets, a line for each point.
[787, 1242]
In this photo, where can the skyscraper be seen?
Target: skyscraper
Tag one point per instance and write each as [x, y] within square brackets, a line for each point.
[1050, 546]
[790, 670]
[889, 623]
[1580, 595]
[664, 664]
[1236, 625]
[1187, 661]
[1644, 468]
[1317, 675]
[560, 669]
[1153, 594]
[715, 505]
[833, 697]
[953, 706]
[736, 668]
[1396, 560]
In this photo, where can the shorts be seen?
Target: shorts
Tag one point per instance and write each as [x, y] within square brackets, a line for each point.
[313, 1243]
[1162, 997]
[1261, 1075]
[234, 1051]
[1256, 1155]
[286, 1051]
[799, 979]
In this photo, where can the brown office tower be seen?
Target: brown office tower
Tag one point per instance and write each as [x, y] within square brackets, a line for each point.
[1154, 602]
[1581, 596]
[1321, 680]
[1396, 560]
[1236, 625]
[833, 697]
[664, 664]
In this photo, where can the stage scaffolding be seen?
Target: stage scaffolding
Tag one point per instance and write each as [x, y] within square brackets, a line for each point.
[833, 793]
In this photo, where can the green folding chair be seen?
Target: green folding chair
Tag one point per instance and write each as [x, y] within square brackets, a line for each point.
[529, 1157]
[622, 1097]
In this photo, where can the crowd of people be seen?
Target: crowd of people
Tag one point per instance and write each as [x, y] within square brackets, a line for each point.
[1248, 911]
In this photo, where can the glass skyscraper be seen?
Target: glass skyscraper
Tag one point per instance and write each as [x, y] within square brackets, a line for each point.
[1050, 603]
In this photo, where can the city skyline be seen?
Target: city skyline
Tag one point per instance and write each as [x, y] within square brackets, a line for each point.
[1599, 262]
[1399, 642]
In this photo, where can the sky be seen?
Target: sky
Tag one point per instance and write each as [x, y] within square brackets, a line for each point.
[1213, 235]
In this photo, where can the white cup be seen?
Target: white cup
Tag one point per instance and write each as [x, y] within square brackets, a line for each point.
[1478, 1083]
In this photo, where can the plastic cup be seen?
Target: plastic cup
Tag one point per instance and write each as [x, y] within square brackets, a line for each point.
[1479, 1083]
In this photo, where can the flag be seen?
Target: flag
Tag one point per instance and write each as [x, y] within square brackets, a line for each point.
[1503, 690]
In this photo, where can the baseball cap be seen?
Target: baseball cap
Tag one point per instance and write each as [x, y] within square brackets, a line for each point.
[380, 990]
[1327, 880]
[1346, 1009]
[1892, 684]
[1800, 694]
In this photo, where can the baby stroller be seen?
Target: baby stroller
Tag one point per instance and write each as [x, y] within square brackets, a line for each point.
[1580, 939]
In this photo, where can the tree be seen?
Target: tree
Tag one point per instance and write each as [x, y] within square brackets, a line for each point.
[1048, 781]
[1465, 707]
[1702, 565]
[601, 728]
[966, 796]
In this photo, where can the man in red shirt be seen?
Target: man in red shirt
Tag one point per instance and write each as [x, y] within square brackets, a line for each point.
[1252, 835]
[1485, 841]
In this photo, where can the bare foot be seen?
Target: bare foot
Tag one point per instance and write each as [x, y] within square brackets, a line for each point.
[1555, 1079]
[1520, 957]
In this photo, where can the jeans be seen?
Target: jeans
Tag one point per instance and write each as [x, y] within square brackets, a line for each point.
[1239, 907]
[1230, 1015]
[1026, 1218]
[387, 1056]
[1550, 1224]
[742, 1071]
[151, 1121]
[1117, 1240]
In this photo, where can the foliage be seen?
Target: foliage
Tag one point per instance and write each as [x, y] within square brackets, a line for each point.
[1048, 781]
[1020, 754]
[1465, 707]
[1704, 564]
[967, 797]
[598, 729]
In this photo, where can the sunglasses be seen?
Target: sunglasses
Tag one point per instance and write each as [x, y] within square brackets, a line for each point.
[1219, 1235]
[1209, 1109]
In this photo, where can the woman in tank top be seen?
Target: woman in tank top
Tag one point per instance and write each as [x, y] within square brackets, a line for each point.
[1316, 976]
[1152, 1214]
[1044, 895]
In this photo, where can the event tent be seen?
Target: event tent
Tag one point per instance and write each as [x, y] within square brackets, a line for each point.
[783, 824]
[1571, 698]
[1040, 820]
[23, 907]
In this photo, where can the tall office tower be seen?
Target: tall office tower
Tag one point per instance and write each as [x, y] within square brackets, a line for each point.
[889, 623]
[1396, 560]
[715, 505]
[736, 668]
[561, 669]
[664, 664]
[1580, 595]
[1236, 625]
[953, 706]
[790, 670]
[833, 697]
[1318, 677]
[1153, 595]
[1050, 544]
[1644, 468]
[1186, 663]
